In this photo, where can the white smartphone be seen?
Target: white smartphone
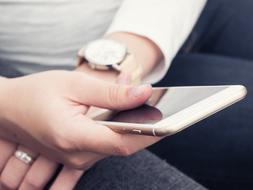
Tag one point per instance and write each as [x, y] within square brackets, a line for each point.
[172, 109]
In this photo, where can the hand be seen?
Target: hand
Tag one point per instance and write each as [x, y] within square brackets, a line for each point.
[68, 177]
[55, 103]
[17, 175]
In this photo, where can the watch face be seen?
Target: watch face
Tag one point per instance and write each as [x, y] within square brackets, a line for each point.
[105, 52]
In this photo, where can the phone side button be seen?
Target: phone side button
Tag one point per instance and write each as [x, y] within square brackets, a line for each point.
[136, 131]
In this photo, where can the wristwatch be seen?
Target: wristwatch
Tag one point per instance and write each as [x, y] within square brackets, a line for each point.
[107, 54]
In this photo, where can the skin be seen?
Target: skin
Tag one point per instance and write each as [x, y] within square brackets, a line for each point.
[78, 154]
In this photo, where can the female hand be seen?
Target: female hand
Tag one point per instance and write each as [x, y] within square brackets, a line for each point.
[68, 176]
[46, 114]
[16, 174]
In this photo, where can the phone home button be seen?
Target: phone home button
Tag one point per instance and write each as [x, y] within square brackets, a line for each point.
[136, 131]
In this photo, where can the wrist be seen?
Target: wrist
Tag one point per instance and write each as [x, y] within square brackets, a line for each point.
[143, 56]
[146, 53]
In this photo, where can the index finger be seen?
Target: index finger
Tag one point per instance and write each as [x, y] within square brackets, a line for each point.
[85, 134]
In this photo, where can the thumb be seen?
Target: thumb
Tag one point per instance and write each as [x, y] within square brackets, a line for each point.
[108, 95]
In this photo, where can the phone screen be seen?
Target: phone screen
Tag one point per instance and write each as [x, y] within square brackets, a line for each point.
[165, 102]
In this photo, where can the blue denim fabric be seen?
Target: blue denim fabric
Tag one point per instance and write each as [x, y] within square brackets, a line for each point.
[217, 152]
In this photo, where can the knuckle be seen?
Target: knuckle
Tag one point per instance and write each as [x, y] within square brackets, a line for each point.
[33, 183]
[63, 145]
[113, 96]
[123, 150]
[77, 162]
[63, 142]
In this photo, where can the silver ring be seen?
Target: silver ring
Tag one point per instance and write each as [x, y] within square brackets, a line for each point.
[24, 157]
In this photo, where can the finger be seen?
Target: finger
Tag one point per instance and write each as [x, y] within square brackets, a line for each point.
[109, 95]
[130, 76]
[134, 143]
[67, 179]
[109, 76]
[39, 174]
[127, 144]
[83, 160]
[7, 150]
[15, 170]
[87, 135]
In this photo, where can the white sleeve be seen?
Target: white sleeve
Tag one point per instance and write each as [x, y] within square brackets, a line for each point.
[165, 22]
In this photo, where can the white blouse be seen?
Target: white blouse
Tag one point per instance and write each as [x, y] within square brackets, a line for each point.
[166, 22]
[50, 32]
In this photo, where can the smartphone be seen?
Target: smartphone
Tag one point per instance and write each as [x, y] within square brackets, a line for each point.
[172, 109]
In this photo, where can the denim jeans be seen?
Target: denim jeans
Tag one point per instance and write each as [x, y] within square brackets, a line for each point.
[217, 152]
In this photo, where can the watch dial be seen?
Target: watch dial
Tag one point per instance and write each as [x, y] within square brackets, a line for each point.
[105, 52]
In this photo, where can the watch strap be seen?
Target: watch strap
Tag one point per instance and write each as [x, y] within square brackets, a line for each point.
[80, 58]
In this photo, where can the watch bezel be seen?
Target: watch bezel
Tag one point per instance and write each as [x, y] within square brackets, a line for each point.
[118, 49]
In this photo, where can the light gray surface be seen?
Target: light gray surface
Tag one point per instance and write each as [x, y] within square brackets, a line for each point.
[27, 68]
[51, 31]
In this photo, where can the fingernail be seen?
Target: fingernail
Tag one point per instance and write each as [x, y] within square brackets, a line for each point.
[138, 90]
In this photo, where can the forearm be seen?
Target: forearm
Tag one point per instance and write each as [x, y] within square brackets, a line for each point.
[2, 79]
